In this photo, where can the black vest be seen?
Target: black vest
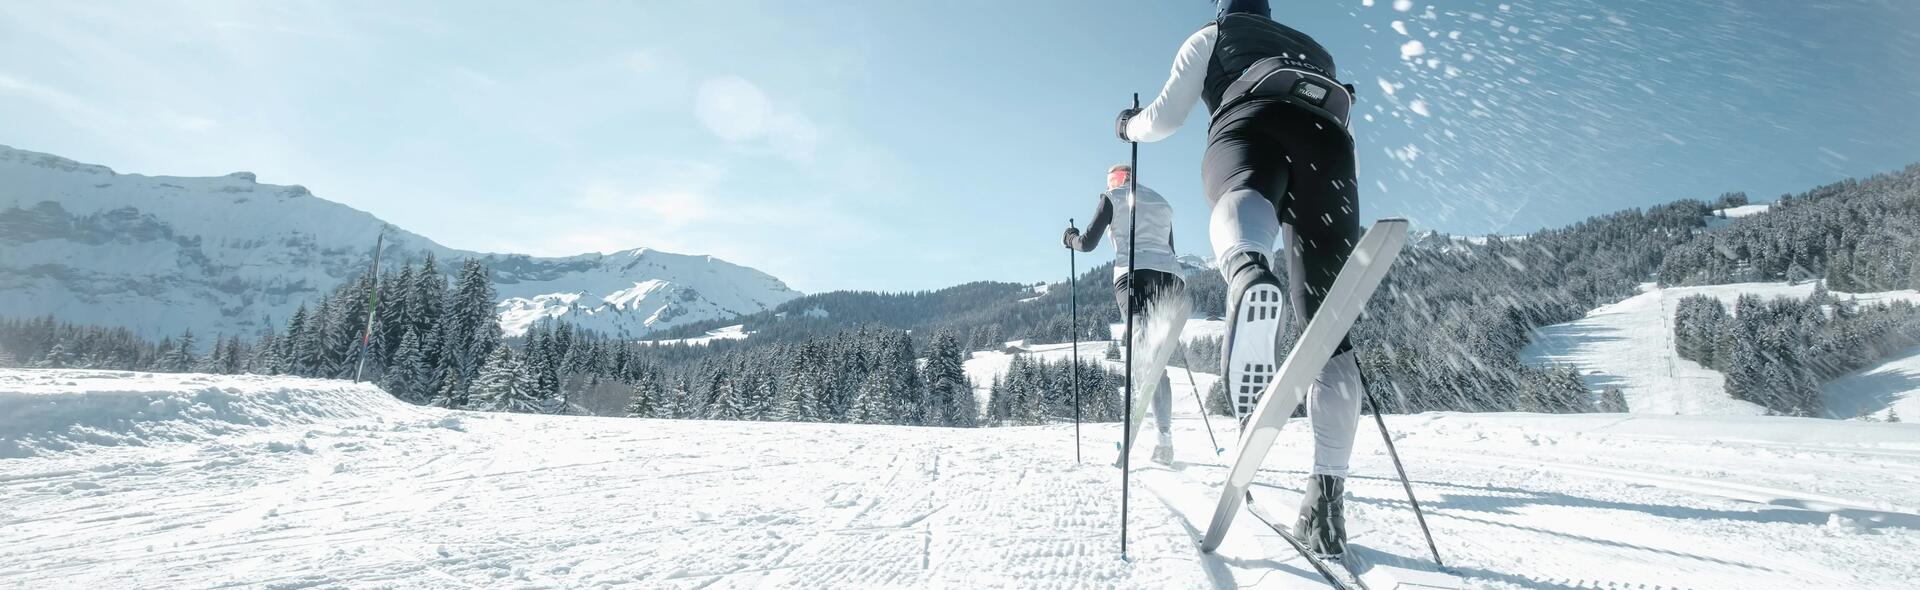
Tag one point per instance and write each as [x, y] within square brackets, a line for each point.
[1244, 38]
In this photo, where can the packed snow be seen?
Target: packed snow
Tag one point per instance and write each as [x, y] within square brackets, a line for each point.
[1629, 345]
[137, 480]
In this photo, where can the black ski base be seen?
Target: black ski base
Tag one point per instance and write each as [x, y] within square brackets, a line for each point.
[1326, 570]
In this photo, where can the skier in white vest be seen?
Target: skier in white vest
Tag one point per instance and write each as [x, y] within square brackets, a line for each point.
[1279, 163]
[1149, 287]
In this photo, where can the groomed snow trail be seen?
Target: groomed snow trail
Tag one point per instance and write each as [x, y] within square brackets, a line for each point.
[118, 480]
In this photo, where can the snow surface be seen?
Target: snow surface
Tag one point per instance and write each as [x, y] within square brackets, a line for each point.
[1630, 345]
[733, 332]
[230, 255]
[1893, 385]
[1722, 217]
[1742, 211]
[121, 480]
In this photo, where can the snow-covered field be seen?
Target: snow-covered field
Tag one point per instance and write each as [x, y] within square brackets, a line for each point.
[1723, 217]
[1630, 345]
[123, 480]
[733, 332]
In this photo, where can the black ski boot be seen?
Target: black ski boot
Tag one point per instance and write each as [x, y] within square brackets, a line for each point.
[1323, 520]
[1254, 304]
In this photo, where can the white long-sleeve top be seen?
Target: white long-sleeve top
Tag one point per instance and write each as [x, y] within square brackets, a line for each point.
[1184, 84]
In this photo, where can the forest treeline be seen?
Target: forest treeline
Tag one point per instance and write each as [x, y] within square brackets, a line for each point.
[1443, 333]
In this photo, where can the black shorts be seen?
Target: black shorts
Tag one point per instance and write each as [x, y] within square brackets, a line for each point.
[1304, 164]
[1143, 287]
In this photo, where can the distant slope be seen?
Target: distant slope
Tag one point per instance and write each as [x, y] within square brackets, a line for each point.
[1629, 345]
[200, 481]
[227, 254]
[1890, 386]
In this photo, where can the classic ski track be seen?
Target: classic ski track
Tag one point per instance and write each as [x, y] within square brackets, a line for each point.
[685, 504]
[1726, 489]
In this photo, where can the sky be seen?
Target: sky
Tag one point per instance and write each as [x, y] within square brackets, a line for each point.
[885, 145]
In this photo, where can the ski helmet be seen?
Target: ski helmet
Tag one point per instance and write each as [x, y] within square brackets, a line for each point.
[1256, 7]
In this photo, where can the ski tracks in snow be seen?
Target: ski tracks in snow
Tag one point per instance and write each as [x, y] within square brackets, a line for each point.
[433, 499]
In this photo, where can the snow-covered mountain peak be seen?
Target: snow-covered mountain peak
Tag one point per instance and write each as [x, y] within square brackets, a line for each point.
[229, 255]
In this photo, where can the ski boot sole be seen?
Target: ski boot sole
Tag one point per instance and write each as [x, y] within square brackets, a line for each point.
[1251, 363]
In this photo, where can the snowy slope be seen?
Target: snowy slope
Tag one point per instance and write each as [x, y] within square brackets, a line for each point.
[123, 480]
[1723, 217]
[227, 254]
[733, 332]
[1630, 345]
[1893, 385]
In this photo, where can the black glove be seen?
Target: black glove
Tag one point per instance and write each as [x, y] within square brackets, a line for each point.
[1072, 235]
[1120, 124]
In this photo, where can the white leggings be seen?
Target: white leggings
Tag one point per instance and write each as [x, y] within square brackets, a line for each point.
[1333, 402]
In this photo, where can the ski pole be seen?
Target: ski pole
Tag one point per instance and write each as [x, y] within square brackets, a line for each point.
[1073, 303]
[1188, 362]
[1404, 482]
[1126, 436]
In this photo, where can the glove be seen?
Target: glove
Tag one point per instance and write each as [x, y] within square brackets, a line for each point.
[1120, 124]
[1072, 235]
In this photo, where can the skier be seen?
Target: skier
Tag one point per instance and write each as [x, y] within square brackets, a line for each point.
[1150, 281]
[1279, 163]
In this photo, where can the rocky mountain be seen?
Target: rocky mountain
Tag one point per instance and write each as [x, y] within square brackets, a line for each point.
[161, 254]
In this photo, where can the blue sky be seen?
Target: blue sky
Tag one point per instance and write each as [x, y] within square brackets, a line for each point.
[911, 145]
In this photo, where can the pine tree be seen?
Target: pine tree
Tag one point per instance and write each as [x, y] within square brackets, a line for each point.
[870, 401]
[724, 400]
[469, 329]
[425, 301]
[647, 398]
[390, 323]
[450, 394]
[266, 359]
[344, 319]
[1612, 399]
[210, 364]
[904, 387]
[505, 384]
[406, 375]
[56, 357]
[235, 360]
[178, 358]
[949, 397]
[1113, 350]
[301, 344]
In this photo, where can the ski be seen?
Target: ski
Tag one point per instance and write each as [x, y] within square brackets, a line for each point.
[1333, 573]
[1358, 278]
[1155, 342]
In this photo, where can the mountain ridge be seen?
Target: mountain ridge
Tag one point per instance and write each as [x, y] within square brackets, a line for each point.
[161, 254]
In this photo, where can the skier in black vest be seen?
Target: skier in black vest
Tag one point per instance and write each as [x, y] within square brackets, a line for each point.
[1279, 164]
